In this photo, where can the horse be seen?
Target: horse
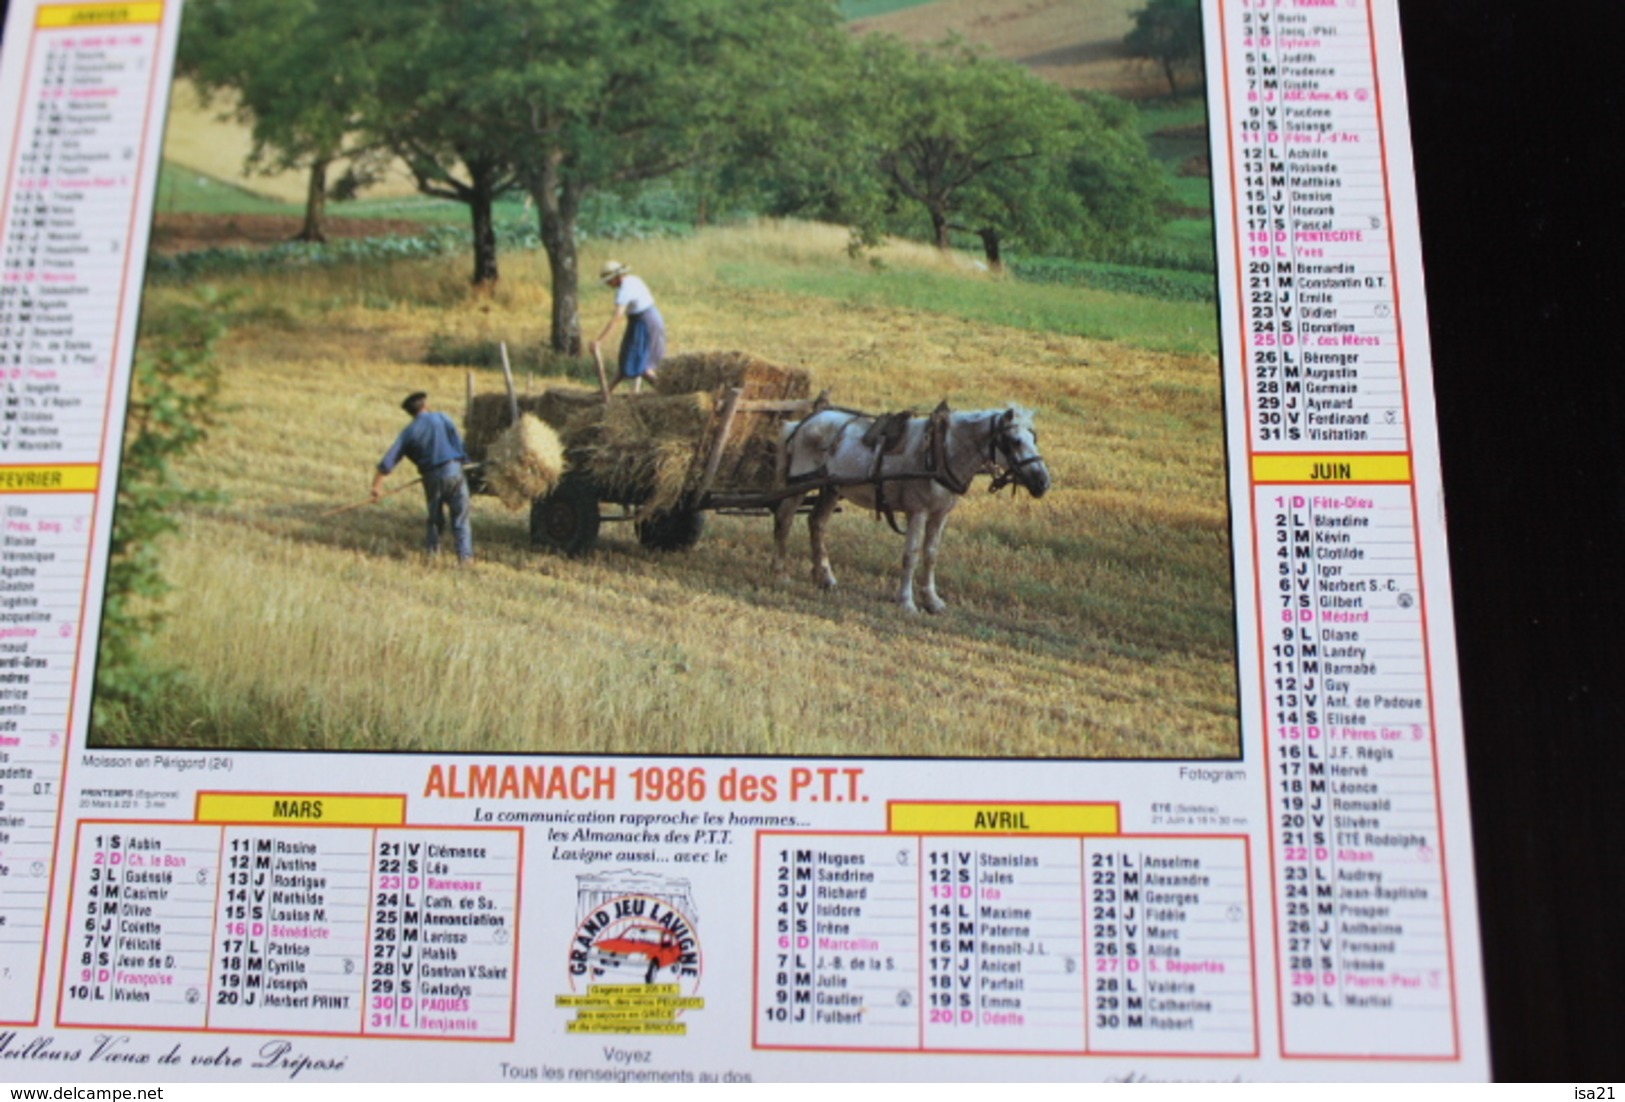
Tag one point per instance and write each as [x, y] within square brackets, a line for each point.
[923, 475]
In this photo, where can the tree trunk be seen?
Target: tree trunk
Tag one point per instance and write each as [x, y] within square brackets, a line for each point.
[315, 204]
[561, 262]
[559, 204]
[1168, 71]
[990, 246]
[939, 229]
[481, 208]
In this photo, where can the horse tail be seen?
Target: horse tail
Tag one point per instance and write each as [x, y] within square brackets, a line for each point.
[781, 465]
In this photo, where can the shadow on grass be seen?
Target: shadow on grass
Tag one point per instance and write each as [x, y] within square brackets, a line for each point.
[1008, 640]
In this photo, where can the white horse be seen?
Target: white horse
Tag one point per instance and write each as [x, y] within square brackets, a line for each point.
[923, 478]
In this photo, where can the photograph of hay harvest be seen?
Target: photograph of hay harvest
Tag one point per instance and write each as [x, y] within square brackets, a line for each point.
[878, 259]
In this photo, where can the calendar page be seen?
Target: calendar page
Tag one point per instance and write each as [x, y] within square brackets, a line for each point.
[500, 491]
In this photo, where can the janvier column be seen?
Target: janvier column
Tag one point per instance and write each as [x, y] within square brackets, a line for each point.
[76, 154]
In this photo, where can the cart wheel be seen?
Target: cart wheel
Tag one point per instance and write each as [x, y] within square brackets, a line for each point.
[566, 520]
[677, 530]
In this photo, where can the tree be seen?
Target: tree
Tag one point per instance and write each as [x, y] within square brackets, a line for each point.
[571, 97]
[985, 147]
[292, 80]
[820, 157]
[1168, 32]
[603, 94]
[1124, 193]
[425, 63]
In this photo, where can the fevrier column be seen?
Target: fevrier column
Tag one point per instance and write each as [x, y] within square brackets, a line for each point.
[75, 152]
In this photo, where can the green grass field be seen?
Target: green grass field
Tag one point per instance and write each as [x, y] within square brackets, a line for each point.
[1063, 310]
[182, 190]
[867, 9]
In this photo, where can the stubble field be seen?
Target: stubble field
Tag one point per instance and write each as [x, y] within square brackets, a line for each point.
[1096, 622]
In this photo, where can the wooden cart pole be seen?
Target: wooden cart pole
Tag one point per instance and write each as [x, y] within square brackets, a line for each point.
[730, 406]
[507, 374]
[603, 379]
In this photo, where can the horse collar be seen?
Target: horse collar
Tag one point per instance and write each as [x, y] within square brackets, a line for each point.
[941, 457]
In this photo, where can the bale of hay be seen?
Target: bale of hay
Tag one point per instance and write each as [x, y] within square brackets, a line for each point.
[750, 461]
[488, 417]
[648, 447]
[713, 371]
[524, 463]
[750, 454]
[643, 448]
[558, 404]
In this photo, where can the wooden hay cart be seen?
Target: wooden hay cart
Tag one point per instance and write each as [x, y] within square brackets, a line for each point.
[708, 440]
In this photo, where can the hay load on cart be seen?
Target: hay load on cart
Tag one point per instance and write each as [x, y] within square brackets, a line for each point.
[707, 438]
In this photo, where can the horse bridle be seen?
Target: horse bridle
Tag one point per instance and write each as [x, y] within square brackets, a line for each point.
[1000, 443]
[1010, 472]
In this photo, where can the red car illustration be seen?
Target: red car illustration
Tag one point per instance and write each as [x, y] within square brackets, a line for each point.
[662, 953]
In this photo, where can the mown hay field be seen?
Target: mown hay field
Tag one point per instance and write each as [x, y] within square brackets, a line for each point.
[1095, 622]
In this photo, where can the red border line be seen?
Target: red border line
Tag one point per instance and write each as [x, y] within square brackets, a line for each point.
[1409, 452]
[90, 539]
[920, 1049]
[361, 1032]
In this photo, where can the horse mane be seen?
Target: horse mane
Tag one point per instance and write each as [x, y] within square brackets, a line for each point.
[1023, 416]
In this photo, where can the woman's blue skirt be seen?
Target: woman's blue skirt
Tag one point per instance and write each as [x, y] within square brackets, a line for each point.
[644, 345]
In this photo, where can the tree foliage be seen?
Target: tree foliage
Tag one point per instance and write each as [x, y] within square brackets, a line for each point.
[567, 98]
[291, 78]
[174, 397]
[767, 101]
[608, 94]
[1168, 32]
[425, 64]
[1123, 192]
[977, 146]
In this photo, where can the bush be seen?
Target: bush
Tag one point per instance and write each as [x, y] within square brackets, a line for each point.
[446, 350]
[236, 259]
[174, 399]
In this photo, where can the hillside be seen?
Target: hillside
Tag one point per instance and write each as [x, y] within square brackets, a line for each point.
[1075, 43]
[206, 140]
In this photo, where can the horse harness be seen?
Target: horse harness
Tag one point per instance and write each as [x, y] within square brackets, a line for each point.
[1000, 458]
[1010, 470]
[887, 435]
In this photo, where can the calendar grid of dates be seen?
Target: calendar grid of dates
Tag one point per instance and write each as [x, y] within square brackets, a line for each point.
[68, 228]
[1107, 945]
[1361, 900]
[336, 930]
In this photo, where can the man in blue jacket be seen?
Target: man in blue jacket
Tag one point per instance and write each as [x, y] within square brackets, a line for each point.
[432, 444]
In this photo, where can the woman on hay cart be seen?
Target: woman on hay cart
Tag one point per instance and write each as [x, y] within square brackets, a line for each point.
[644, 344]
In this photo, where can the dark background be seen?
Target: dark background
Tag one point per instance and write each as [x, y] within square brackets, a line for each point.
[1517, 131]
